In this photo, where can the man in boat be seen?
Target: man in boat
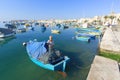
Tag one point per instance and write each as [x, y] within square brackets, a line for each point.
[53, 54]
[49, 45]
[50, 41]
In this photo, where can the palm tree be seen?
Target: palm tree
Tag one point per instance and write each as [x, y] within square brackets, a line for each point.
[112, 17]
[105, 17]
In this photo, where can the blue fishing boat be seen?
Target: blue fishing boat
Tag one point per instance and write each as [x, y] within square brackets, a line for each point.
[87, 35]
[21, 30]
[91, 31]
[51, 60]
[94, 33]
[43, 29]
[82, 38]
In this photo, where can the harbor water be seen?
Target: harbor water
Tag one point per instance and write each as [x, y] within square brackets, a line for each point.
[15, 64]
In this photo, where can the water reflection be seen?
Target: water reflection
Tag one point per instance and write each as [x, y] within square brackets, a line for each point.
[43, 29]
[6, 40]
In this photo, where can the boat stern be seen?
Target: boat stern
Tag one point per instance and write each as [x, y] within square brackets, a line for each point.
[62, 64]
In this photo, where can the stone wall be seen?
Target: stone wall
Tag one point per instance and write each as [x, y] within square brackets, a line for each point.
[110, 41]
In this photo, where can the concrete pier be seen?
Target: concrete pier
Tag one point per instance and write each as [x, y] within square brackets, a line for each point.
[104, 69]
[111, 40]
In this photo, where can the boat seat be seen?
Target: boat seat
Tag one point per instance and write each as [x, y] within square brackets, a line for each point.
[53, 62]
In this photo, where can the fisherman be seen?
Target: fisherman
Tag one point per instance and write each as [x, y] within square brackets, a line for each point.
[49, 44]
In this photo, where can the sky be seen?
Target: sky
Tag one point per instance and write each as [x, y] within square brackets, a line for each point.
[56, 9]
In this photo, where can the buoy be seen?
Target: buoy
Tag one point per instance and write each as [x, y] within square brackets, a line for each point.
[24, 43]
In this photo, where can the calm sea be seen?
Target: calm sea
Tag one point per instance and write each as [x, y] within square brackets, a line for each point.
[16, 65]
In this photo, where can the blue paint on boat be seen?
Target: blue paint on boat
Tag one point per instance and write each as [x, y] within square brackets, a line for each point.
[56, 67]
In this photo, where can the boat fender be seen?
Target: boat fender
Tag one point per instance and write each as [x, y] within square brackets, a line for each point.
[24, 43]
